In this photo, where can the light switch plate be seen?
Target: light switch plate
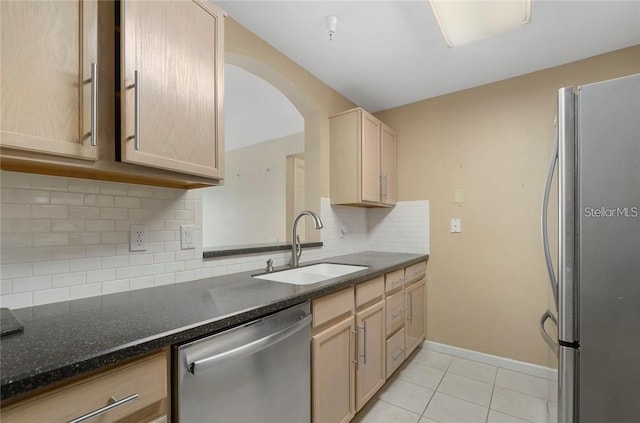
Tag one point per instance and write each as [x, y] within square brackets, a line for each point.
[456, 225]
[459, 196]
[186, 237]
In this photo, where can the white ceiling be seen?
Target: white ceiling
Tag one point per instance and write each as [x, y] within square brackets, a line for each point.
[390, 53]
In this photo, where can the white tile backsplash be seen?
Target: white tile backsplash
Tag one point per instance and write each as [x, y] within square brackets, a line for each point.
[66, 238]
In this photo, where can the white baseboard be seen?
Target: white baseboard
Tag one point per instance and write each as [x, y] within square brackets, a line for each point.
[494, 360]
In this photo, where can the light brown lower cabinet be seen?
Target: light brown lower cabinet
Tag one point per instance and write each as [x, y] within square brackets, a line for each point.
[333, 371]
[140, 386]
[395, 352]
[370, 366]
[414, 315]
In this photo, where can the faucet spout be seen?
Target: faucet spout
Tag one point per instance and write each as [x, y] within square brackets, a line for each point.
[296, 250]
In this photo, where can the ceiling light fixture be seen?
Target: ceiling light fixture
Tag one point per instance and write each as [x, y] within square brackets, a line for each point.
[465, 21]
[332, 23]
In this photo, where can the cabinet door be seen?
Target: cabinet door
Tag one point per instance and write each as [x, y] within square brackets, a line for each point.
[370, 369]
[370, 158]
[176, 48]
[414, 323]
[388, 166]
[333, 373]
[46, 82]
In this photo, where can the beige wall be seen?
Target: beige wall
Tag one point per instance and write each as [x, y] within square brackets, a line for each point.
[315, 101]
[487, 285]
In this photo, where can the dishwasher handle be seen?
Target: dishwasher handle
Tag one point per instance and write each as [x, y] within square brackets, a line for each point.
[202, 365]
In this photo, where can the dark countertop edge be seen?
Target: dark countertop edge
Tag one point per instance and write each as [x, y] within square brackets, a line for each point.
[29, 384]
[253, 249]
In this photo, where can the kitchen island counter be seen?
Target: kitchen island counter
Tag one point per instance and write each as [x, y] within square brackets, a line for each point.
[71, 338]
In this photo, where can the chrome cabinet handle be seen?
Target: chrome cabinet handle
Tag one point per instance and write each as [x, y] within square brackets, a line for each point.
[385, 189]
[399, 354]
[112, 403]
[398, 314]
[364, 342]
[136, 110]
[355, 337]
[94, 104]
[410, 314]
[396, 282]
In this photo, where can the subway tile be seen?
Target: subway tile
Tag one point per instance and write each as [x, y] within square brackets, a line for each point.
[10, 211]
[103, 275]
[127, 202]
[6, 287]
[27, 196]
[67, 198]
[86, 264]
[66, 253]
[140, 283]
[84, 238]
[115, 261]
[186, 255]
[128, 272]
[164, 193]
[114, 237]
[112, 188]
[50, 267]
[159, 236]
[177, 266]
[50, 183]
[153, 269]
[164, 279]
[83, 291]
[14, 179]
[164, 257]
[68, 279]
[83, 185]
[137, 259]
[140, 191]
[83, 212]
[34, 283]
[138, 214]
[50, 296]
[14, 240]
[17, 300]
[115, 286]
[185, 276]
[185, 215]
[203, 273]
[26, 225]
[113, 213]
[172, 246]
[151, 203]
[100, 250]
[58, 225]
[50, 239]
[95, 200]
[16, 270]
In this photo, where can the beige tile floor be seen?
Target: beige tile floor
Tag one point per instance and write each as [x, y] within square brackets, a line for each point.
[437, 388]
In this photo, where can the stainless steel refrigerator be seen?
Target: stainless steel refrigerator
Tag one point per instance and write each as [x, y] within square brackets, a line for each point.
[598, 290]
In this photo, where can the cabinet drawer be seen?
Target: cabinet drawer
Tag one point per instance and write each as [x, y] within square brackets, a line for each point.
[395, 312]
[331, 306]
[393, 280]
[369, 291]
[415, 272]
[147, 378]
[395, 352]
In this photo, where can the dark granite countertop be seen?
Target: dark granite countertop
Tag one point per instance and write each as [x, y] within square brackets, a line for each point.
[70, 338]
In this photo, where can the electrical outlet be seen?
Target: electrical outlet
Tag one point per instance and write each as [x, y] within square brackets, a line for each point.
[138, 238]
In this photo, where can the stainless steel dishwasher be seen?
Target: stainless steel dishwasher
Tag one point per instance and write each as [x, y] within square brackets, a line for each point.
[257, 372]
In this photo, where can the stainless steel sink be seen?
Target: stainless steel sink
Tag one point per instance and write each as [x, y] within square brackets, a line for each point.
[314, 273]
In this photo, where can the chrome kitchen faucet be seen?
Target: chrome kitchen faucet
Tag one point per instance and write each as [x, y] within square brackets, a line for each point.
[296, 250]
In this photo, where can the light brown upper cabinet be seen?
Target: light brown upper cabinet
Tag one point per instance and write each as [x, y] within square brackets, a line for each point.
[49, 56]
[362, 160]
[71, 105]
[171, 86]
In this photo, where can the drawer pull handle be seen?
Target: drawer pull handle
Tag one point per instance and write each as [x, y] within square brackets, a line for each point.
[364, 343]
[399, 354]
[398, 313]
[113, 403]
[94, 104]
[396, 282]
[136, 110]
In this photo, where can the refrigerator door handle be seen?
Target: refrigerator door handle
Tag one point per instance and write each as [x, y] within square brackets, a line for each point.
[548, 338]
